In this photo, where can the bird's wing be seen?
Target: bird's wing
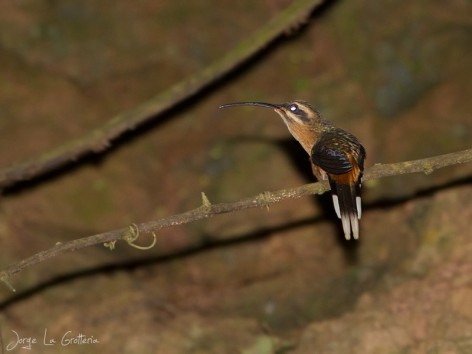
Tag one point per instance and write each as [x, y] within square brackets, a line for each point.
[329, 154]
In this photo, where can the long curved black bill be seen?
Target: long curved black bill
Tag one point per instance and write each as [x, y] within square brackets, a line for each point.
[260, 104]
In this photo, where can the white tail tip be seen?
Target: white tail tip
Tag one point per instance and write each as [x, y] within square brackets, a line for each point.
[350, 224]
[336, 205]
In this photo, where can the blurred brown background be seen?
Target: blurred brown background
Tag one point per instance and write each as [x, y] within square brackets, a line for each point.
[283, 280]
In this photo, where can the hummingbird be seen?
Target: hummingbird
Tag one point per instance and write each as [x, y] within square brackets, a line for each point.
[335, 155]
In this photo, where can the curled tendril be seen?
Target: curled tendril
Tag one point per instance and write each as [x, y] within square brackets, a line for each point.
[133, 234]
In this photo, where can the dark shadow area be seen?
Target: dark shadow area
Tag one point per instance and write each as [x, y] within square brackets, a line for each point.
[206, 245]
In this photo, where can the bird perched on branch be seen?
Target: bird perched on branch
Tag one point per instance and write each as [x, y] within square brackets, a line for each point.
[335, 155]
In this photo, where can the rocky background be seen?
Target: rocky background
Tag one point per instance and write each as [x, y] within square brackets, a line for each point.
[282, 280]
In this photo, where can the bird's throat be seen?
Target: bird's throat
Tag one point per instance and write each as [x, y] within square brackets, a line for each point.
[303, 134]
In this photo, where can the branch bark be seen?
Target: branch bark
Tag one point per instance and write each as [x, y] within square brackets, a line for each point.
[101, 138]
[206, 210]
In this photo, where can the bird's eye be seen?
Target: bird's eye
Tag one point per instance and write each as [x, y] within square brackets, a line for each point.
[293, 108]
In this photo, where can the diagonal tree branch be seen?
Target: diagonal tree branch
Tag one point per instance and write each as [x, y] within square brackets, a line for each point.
[207, 209]
[101, 138]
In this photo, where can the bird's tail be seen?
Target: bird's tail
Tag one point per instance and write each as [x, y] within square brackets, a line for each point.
[347, 203]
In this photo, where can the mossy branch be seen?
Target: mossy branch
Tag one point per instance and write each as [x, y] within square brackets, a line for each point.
[208, 209]
[102, 137]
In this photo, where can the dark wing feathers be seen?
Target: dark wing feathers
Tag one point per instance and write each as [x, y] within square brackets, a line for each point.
[331, 152]
[330, 160]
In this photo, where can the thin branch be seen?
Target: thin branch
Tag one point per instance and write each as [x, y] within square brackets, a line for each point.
[207, 209]
[101, 138]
